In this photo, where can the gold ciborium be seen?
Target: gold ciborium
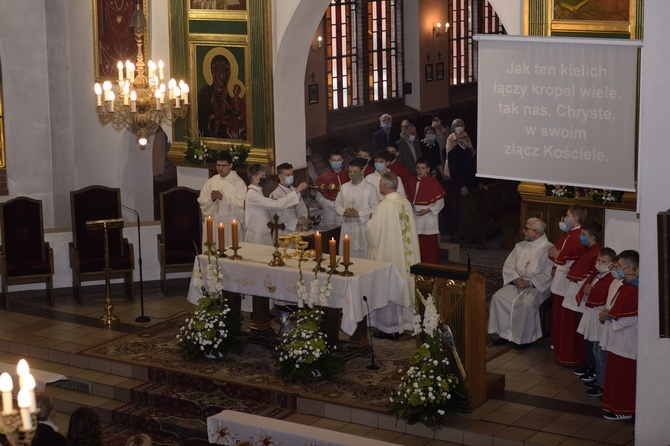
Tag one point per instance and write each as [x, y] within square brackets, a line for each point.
[284, 242]
[302, 246]
[296, 238]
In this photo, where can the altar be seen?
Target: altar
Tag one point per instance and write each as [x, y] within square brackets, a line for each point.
[380, 282]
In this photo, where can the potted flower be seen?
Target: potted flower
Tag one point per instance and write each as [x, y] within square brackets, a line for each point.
[197, 151]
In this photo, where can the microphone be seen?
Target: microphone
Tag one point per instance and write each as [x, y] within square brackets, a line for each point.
[141, 317]
[372, 365]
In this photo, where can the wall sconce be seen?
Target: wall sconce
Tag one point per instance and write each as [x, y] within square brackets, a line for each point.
[438, 31]
[318, 48]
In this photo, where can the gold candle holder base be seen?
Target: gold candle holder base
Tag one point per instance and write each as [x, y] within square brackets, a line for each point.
[235, 256]
[221, 253]
[109, 319]
[332, 269]
[276, 259]
[12, 428]
[210, 251]
[346, 271]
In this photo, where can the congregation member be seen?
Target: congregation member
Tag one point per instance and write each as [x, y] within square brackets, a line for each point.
[354, 204]
[85, 428]
[462, 167]
[395, 166]
[563, 253]
[391, 234]
[260, 209]
[570, 349]
[594, 292]
[430, 151]
[408, 146]
[366, 154]
[382, 160]
[328, 184]
[619, 338]
[427, 197]
[46, 433]
[385, 135]
[441, 135]
[293, 217]
[222, 198]
[514, 309]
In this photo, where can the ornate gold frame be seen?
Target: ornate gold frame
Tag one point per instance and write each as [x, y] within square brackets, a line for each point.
[216, 14]
[96, 50]
[593, 26]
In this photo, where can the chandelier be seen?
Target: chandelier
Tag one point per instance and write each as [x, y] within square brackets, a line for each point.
[141, 102]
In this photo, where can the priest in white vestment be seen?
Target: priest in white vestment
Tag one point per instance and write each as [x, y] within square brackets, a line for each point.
[391, 234]
[354, 204]
[222, 198]
[513, 312]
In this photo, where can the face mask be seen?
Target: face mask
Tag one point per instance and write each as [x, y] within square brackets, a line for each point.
[602, 268]
[354, 176]
[618, 274]
[262, 181]
[337, 165]
[386, 125]
[437, 123]
[459, 129]
[562, 226]
[411, 138]
[288, 180]
[569, 223]
[584, 239]
[430, 137]
[527, 238]
[380, 167]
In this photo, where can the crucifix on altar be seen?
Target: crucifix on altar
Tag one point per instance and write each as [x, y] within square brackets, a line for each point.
[275, 228]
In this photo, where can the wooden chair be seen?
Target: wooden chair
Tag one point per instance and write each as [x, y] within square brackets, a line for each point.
[87, 249]
[24, 255]
[181, 231]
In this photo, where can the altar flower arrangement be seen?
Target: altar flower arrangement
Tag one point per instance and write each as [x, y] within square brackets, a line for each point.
[606, 195]
[558, 190]
[197, 151]
[211, 330]
[239, 154]
[426, 388]
[304, 353]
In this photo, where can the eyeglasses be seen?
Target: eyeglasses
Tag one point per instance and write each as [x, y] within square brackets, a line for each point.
[223, 165]
[526, 228]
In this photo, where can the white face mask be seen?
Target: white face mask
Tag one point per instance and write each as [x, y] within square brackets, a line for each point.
[288, 180]
[411, 138]
[602, 268]
[459, 129]
[430, 136]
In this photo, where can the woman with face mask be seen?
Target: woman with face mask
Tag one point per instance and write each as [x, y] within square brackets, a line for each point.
[461, 163]
[431, 151]
[441, 134]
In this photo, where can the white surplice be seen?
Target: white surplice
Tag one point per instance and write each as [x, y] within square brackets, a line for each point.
[289, 216]
[229, 208]
[374, 178]
[362, 197]
[513, 312]
[259, 210]
[391, 234]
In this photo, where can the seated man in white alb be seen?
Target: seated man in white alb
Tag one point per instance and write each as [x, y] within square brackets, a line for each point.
[513, 312]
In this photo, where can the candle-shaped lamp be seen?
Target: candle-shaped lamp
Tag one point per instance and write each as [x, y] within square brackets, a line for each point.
[22, 369]
[98, 94]
[107, 88]
[6, 387]
[24, 408]
[184, 94]
[317, 245]
[222, 238]
[119, 66]
[210, 230]
[233, 228]
[112, 97]
[133, 101]
[177, 97]
[157, 94]
[29, 385]
[161, 73]
[346, 248]
[332, 248]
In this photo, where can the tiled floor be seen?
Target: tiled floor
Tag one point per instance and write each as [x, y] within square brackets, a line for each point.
[543, 403]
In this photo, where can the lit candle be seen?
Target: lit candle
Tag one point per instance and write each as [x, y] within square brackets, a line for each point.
[233, 227]
[184, 94]
[161, 73]
[107, 87]
[162, 89]
[128, 69]
[98, 94]
[210, 230]
[171, 84]
[131, 76]
[222, 238]
[152, 68]
[317, 245]
[111, 101]
[345, 248]
[24, 407]
[319, 40]
[158, 99]
[29, 385]
[332, 247]
[6, 387]
[22, 369]
[177, 98]
[126, 93]
[133, 101]
[120, 68]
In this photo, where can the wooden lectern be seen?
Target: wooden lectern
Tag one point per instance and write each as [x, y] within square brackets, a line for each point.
[460, 298]
[104, 225]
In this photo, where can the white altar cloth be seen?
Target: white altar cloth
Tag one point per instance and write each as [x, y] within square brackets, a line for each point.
[379, 281]
[42, 377]
[230, 427]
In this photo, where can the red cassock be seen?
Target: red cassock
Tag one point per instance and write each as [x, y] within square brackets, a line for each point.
[570, 248]
[369, 168]
[620, 374]
[570, 348]
[401, 171]
[331, 182]
[598, 295]
[429, 191]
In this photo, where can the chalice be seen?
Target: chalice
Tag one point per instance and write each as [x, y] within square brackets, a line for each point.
[284, 242]
[296, 238]
[302, 246]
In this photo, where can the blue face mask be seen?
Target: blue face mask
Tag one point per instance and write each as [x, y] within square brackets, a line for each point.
[562, 226]
[618, 274]
[386, 125]
[527, 238]
[584, 239]
[337, 165]
[380, 167]
[569, 223]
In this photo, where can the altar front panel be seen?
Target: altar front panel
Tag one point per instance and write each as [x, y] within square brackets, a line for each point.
[379, 281]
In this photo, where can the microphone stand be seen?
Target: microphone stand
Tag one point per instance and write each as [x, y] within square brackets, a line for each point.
[372, 365]
[141, 317]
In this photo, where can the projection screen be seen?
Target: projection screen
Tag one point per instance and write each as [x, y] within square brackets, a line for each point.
[557, 110]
